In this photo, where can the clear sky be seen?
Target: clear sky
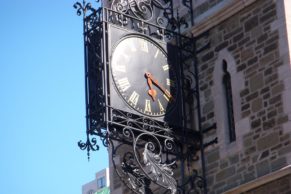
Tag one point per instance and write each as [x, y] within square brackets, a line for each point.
[42, 109]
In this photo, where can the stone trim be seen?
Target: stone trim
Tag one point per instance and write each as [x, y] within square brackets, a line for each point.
[217, 14]
[260, 181]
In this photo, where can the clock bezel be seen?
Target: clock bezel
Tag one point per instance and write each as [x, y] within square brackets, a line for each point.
[168, 110]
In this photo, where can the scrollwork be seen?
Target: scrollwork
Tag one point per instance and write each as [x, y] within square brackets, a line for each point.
[139, 8]
[161, 172]
[89, 145]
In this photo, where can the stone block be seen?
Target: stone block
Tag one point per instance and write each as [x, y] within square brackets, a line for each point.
[250, 150]
[264, 90]
[268, 16]
[278, 164]
[245, 107]
[248, 177]
[278, 89]
[262, 38]
[233, 33]
[267, 59]
[270, 48]
[263, 168]
[272, 78]
[264, 154]
[257, 105]
[256, 82]
[282, 119]
[234, 159]
[246, 54]
[241, 67]
[252, 96]
[244, 92]
[225, 173]
[212, 156]
[271, 114]
[268, 141]
[221, 46]
[208, 107]
[208, 56]
[268, 71]
[285, 150]
[256, 123]
[223, 164]
[251, 23]
[252, 61]
[275, 99]
[238, 37]
[212, 166]
[247, 141]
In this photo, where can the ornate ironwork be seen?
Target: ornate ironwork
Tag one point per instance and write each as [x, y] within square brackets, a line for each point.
[154, 11]
[145, 152]
[146, 163]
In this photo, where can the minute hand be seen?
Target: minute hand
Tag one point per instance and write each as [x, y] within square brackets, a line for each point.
[166, 92]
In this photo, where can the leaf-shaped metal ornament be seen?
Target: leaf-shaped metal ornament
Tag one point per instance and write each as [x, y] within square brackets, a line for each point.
[162, 173]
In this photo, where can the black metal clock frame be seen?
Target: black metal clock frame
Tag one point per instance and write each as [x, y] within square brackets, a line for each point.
[144, 150]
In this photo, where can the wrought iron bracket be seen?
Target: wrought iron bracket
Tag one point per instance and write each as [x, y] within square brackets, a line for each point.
[145, 152]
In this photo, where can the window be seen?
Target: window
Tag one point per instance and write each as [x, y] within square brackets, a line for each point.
[91, 192]
[228, 101]
[101, 182]
[227, 85]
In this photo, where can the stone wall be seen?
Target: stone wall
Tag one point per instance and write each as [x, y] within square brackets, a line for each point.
[279, 186]
[262, 146]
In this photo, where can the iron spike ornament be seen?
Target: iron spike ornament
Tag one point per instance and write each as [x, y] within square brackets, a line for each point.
[135, 98]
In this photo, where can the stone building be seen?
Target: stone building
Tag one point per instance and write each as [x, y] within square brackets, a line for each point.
[250, 45]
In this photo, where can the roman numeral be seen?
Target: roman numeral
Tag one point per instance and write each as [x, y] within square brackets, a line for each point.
[134, 98]
[161, 106]
[167, 95]
[166, 67]
[170, 82]
[132, 45]
[157, 53]
[123, 84]
[120, 68]
[147, 107]
[144, 46]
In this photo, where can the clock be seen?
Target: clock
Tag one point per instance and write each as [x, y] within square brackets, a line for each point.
[143, 76]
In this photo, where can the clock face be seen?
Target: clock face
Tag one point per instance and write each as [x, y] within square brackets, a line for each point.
[143, 76]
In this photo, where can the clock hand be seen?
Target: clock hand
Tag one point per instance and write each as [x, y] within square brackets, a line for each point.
[152, 92]
[166, 92]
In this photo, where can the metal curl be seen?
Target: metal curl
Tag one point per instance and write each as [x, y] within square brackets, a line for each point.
[89, 145]
[127, 132]
[150, 146]
[169, 144]
[79, 8]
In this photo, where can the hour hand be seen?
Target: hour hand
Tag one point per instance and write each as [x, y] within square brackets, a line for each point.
[152, 92]
[166, 92]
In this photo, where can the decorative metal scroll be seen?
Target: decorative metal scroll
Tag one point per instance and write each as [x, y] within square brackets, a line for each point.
[145, 154]
[146, 149]
[154, 11]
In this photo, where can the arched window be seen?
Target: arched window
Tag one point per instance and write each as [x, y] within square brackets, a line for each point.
[227, 85]
[226, 80]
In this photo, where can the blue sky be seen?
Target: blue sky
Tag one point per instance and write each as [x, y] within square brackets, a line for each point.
[42, 109]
